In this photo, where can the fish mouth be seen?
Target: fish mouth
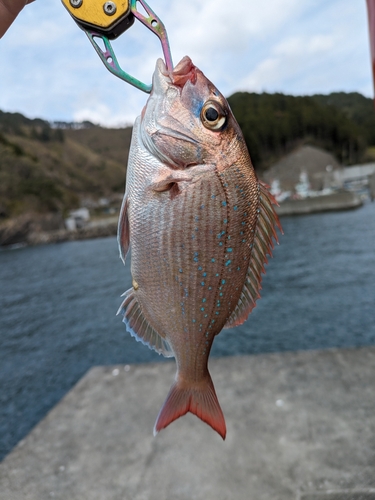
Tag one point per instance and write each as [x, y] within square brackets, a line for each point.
[158, 125]
[167, 85]
[184, 71]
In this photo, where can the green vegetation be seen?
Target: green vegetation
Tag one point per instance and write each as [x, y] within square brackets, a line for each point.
[274, 124]
[359, 109]
[46, 169]
[49, 167]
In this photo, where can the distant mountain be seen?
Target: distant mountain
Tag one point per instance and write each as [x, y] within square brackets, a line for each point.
[274, 124]
[48, 167]
[356, 107]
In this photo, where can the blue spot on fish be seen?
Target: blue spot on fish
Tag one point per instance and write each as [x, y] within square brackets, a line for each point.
[204, 300]
[196, 106]
[200, 268]
[235, 208]
[204, 274]
[180, 270]
[212, 260]
[202, 283]
[224, 203]
[223, 282]
[228, 262]
[229, 250]
[202, 308]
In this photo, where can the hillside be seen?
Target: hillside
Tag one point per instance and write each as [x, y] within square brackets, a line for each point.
[356, 107]
[274, 124]
[48, 168]
[44, 169]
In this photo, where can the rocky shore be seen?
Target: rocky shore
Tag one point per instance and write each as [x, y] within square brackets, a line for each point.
[31, 229]
[40, 230]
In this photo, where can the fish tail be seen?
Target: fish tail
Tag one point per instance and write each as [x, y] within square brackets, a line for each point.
[199, 399]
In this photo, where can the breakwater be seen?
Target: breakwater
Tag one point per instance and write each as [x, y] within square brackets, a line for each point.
[344, 200]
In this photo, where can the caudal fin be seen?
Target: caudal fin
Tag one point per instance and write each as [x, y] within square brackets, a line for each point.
[199, 399]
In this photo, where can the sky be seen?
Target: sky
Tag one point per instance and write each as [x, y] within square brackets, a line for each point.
[48, 68]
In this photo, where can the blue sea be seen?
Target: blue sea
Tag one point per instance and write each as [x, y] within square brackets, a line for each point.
[58, 306]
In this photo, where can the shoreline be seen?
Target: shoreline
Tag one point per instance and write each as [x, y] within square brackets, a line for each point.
[342, 200]
[25, 231]
[62, 235]
[308, 415]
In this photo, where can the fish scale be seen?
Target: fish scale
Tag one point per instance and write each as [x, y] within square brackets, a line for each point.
[200, 225]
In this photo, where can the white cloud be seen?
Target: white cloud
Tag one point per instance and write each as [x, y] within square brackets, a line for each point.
[49, 69]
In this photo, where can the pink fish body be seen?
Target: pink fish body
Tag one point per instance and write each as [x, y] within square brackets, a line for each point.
[200, 225]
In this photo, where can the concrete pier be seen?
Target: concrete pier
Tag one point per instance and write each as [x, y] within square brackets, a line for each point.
[301, 426]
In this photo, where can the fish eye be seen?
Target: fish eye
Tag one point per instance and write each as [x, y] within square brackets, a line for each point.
[213, 116]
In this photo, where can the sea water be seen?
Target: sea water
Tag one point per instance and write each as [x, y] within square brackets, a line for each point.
[58, 308]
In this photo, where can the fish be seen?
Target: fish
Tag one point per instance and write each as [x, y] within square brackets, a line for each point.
[200, 226]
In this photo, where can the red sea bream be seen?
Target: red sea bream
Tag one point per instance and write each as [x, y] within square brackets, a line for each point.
[200, 225]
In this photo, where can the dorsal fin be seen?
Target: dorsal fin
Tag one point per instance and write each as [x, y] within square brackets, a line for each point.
[263, 244]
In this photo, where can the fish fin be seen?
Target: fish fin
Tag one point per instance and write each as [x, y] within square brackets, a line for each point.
[265, 233]
[199, 399]
[138, 326]
[166, 180]
[123, 230]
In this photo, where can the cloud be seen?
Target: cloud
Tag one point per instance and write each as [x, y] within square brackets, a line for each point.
[49, 69]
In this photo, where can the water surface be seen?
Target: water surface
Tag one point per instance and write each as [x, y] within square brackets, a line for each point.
[58, 306]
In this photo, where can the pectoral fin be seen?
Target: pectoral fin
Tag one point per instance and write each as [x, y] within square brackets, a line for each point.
[123, 231]
[166, 180]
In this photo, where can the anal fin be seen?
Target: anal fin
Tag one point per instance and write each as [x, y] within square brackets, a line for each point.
[139, 327]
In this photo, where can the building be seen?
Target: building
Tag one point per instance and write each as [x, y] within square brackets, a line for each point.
[312, 167]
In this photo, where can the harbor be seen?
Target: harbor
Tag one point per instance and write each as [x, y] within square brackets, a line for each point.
[300, 427]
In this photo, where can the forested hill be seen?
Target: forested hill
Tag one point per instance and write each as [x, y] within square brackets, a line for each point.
[358, 108]
[273, 124]
[48, 167]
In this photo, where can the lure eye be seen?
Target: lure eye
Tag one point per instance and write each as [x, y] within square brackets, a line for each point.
[213, 116]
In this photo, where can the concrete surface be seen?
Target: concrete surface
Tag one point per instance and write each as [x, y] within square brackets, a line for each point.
[301, 426]
[343, 200]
